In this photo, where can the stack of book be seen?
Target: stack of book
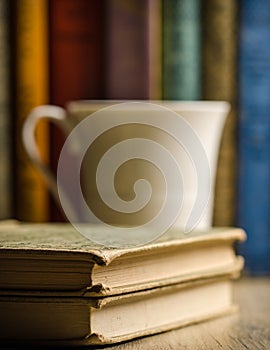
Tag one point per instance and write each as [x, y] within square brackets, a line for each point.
[58, 288]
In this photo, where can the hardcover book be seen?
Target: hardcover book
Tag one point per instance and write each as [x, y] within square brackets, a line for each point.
[181, 50]
[76, 57]
[219, 82]
[133, 49]
[59, 288]
[55, 258]
[5, 114]
[254, 134]
[86, 321]
[31, 73]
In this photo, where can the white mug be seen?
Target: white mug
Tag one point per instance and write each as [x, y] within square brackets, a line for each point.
[204, 118]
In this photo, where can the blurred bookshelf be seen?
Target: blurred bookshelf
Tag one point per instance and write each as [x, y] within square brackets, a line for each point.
[55, 51]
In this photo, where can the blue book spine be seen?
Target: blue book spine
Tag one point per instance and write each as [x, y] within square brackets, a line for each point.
[254, 134]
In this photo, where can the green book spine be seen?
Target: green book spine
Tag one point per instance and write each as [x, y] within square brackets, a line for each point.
[181, 49]
[5, 154]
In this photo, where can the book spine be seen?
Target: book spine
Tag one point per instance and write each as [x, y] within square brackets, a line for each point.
[76, 61]
[76, 44]
[127, 49]
[181, 49]
[5, 114]
[31, 91]
[254, 134]
[219, 49]
[155, 48]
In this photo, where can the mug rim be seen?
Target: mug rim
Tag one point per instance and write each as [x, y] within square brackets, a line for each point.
[175, 105]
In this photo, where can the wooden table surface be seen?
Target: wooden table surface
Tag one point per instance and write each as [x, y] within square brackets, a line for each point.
[249, 329]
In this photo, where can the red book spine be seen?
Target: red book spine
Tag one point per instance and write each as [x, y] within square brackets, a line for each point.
[76, 60]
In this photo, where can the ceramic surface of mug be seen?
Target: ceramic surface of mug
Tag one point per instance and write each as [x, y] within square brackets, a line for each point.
[143, 132]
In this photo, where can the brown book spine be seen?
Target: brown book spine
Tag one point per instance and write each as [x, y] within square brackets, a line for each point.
[155, 48]
[76, 46]
[219, 83]
[133, 63]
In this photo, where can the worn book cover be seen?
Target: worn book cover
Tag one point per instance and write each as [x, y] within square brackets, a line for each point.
[55, 258]
[85, 321]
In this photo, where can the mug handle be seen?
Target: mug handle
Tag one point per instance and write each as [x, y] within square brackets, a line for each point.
[56, 115]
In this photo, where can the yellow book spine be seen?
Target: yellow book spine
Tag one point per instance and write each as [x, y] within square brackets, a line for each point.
[32, 200]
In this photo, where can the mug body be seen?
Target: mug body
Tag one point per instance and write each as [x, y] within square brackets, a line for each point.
[206, 120]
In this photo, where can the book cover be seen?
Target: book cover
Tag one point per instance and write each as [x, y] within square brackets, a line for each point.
[181, 50]
[219, 82]
[254, 134]
[133, 49]
[5, 114]
[76, 61]
[56, 259]
[31, 86]
[86, 321]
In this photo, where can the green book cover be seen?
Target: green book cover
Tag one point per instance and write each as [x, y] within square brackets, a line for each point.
[181, 49]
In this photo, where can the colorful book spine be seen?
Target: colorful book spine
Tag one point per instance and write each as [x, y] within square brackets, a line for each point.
[76, 45]
[133, 49]
[181, 49]
[5, 114]
[31, 90]
[254, 134]
[219, 82]
[76, 61]
[155, 48]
